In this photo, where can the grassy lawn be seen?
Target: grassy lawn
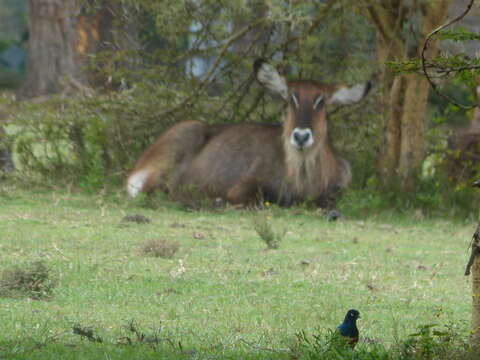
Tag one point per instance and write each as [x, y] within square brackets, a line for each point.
[222, 294]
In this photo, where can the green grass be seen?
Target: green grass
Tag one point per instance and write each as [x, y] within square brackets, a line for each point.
[222, 294]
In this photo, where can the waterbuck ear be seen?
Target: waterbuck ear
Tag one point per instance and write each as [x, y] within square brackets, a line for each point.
[268, 76]
[350, 95]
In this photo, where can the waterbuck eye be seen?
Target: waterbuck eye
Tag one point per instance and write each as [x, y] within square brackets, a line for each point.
[318, 102]
[294, 100]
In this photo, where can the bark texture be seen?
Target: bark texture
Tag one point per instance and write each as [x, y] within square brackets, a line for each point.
[405, 95]
[53, 46]
[475, 332]
[63, 34]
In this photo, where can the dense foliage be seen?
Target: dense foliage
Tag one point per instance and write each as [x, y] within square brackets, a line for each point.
[193, 60]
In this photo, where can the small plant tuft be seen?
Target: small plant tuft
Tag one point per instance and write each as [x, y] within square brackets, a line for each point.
[265, 230]
[86, 333]
[138, 219]
[429, 342]
[31, 280]
[135, 336]
[160, 248]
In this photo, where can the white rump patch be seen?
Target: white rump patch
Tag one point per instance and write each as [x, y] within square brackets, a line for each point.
[269, 77]
[351, 95]
[136, 181]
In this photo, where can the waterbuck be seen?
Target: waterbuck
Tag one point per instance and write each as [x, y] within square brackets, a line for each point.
[244, 163]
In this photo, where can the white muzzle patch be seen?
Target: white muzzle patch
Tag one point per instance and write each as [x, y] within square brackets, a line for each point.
[301, 138]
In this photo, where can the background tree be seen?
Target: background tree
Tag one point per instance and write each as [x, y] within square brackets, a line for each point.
[463, 68]
[64, 34]
[53, 50]
[401, 31]
[151, 63]
[12, 61]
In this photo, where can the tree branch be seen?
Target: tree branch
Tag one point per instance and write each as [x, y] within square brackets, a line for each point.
[424, 60]
[381, 17]
[209, 76]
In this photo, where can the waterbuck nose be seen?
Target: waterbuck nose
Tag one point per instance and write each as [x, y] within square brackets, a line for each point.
[302, 138]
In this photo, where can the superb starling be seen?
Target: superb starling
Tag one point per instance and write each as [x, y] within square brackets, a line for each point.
[348, 329]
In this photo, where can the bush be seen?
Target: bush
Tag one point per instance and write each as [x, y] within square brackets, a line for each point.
[31, 280]
[94, 139]
[159, 248]
[266, 232]
[434, 196]
[85, 141]
[429, 342]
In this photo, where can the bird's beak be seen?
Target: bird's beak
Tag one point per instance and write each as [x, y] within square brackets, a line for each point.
[476, 183]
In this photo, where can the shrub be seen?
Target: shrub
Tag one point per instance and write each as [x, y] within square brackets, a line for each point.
[85, 141]
[31, 280]
[187, 62]
[266, 232]
[429, 342]
[159, 248]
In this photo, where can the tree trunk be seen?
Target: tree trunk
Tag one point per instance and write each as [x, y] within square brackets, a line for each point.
[63, 36]
[389, 157]
[475, 326]
[406, 96]
[53, 47]
[403, 152]
[413, 129]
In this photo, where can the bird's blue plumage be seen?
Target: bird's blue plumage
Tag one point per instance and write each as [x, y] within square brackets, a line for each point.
[348, 328]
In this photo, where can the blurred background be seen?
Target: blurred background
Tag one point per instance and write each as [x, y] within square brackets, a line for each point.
[86, 85]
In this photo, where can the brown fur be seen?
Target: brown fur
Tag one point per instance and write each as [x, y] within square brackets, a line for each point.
[312, 172]
[241, 163]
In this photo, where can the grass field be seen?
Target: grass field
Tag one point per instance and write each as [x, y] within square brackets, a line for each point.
[222, 294]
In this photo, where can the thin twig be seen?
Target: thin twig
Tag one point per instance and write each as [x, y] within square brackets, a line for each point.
[424, 61]
[208, 78]
[459, 69]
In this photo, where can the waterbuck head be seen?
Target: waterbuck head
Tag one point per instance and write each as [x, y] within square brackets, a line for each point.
[305, 124]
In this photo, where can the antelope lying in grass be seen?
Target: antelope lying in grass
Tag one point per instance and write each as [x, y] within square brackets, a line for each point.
[243, 163]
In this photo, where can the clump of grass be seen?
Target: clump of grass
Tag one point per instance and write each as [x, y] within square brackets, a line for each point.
[135, 335]
[430, 342]
[159, 248]
[266, 232]
[86, 333]
[138, 219]
[193, 198]
[32, 280]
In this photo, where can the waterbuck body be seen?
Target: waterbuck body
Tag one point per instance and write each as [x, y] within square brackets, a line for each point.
[244, 163]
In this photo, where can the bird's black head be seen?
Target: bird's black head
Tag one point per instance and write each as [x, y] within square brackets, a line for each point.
[352, 315]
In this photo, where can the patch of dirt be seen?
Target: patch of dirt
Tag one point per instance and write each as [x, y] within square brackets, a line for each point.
[138, 219]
